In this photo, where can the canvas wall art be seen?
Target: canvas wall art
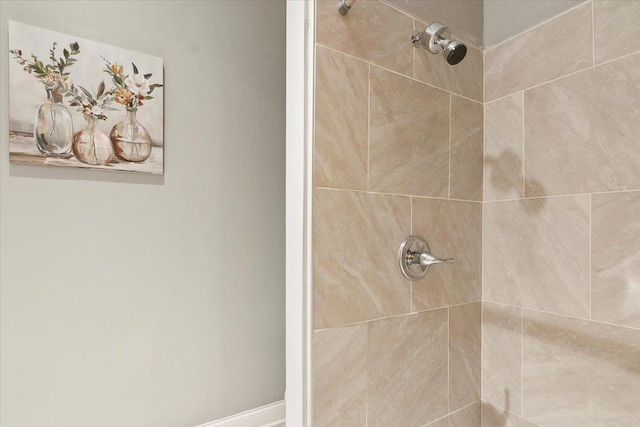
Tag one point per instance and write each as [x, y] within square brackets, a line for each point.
[79, 103]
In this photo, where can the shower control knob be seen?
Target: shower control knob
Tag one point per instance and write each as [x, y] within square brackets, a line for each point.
[415, 258]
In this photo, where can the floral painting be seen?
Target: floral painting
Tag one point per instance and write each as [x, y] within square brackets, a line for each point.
[84, 104]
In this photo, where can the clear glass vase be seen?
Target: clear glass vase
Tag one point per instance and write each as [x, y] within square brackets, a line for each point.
[131, 141]
[53, 128]
[91, 145]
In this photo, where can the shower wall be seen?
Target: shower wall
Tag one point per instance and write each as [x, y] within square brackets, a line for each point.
[398, 150]
[561, 289]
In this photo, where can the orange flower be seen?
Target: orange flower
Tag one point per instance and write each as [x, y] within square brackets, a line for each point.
[116, 68]
[122, 96]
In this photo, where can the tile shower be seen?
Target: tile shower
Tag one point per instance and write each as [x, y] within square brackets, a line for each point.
[522, 163]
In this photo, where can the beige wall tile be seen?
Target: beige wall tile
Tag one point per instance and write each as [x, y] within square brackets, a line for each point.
[580, 373]
[556, 48]
[342, 114]
[465, 417]
[616, 28]
[537, 254]
[581, 132]
[615, 265]
[493, 416]
[464, 78]
[466, 149]
[407, 371]
[372, 31]
[502, 356]
[340, 376]
[409, 136]
[503, 148]
[355, 238]
[453, 230]
[465, 324]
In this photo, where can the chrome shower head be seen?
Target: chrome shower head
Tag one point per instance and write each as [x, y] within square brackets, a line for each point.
[455, 52]
[435, 39]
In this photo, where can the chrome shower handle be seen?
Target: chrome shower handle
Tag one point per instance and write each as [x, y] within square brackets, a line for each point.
[415, 258]
[427, 259]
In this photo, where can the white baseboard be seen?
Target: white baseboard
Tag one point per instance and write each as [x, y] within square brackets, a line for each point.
[271, 415]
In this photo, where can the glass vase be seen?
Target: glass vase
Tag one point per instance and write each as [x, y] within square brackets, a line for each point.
[131, 141]
[91, 145]
[53, 127]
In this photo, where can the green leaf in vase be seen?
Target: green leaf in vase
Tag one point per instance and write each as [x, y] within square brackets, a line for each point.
[87, 93]
[101, 88]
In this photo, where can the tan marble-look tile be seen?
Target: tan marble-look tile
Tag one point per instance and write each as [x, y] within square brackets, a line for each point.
[453, 229]
[616, 29]
[579, 373]
[615, 255]
[407, 370]
[371, 30]
[464, 78]
[556, 48]
[340, 376]
[341, 120]
[408, 136]
[581, 132]
[468, 416]
[503, 148]
[502, 356]
[466, 149]
[465, 324]
[493, 416]
[537, 254]
[355, 273]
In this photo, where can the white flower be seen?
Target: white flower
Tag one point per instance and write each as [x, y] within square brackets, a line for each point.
[96, 110]
[137, 84]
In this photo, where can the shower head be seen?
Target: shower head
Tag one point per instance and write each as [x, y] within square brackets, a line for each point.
[435, 39]
[455, 52]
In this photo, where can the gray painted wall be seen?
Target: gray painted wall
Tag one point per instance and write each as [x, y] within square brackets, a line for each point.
[507, 18]
[133, 301]
[484, 23]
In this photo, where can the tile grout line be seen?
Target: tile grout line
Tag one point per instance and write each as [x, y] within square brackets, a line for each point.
[583, 319]
[393, 316]
[452, 413]
[368, 125]
[482, 234]
[413, 55]
[411, 233]
[449, 177]
[593, 32]
[511, 412]
[524, 149]
[550, 196]
[397, 73]
[448, 360]
[380, 193]
[481, 349]
[484, 80]
[556, 196]
[522, 361]
[484, 127]
[582, 70]
[590, 256]
[366, 379]
[315, 98]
